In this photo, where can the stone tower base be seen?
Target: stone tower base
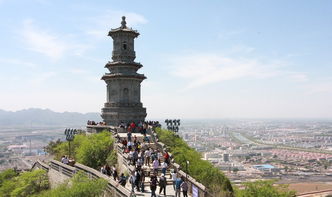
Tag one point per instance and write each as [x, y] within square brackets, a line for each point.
[115, 115]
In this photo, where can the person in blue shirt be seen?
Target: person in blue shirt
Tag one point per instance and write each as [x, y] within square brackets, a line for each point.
[178, 183]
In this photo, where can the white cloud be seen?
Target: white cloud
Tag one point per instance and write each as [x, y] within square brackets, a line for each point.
[204, 69]
[112, 19]
[42, 41]
[50, 44]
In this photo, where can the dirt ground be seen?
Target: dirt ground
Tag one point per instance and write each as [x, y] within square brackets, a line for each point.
[309, 187]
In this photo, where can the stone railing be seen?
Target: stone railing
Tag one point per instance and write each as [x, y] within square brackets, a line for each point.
[124, 158]
[62, 168]
[40, 165]
[113, 187]
[100, 128]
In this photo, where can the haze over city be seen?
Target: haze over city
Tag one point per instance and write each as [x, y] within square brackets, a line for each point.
[222, 59]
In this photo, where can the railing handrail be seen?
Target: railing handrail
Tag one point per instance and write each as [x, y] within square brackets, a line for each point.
[42, 164]
[101, 175]
[95, 174]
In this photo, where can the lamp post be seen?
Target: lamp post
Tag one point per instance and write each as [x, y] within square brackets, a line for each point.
[173, 125]
[70, 134]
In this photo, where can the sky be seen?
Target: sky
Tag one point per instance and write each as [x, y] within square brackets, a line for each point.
[203, 59]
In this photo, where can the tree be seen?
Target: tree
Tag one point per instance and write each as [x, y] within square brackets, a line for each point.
[95, 149]
[6, 175]
[25, 184]
[50, 148]
[92, 150]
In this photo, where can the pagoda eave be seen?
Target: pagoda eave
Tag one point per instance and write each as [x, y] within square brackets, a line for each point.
[123, 64]
[116, 76]
[120, 30]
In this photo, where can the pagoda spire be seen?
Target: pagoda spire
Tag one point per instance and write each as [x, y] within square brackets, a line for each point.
[123, 23]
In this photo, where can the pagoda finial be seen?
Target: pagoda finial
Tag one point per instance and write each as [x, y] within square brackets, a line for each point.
[123, 22]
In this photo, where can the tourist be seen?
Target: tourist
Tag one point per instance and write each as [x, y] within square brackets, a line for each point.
[166, 157]
[62, 158]
[178, 183]
[162, 184]
[65, 160]
[122, 180]
[131, 156]
[103, 169]
[129, 136]
[160, 156]
[163, 167]
[132, 127]
[130, 145]
[142, 156]
[139, 163]
[147, 157]
[155, 165]
[153, 185]
[132, 180]
[115, 174]
[124, 144]
[122, 125]
[154, 155]
[142, 180]
[108, 170]
[184, 187]
[135, 157]
[173, 177]
[137, 179]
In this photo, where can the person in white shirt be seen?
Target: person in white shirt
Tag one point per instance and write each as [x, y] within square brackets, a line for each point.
[147, 157]
[65, 160]
[155, 165]
[174, 177]
[163, 167]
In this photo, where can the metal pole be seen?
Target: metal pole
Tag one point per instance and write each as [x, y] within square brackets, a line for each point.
[187, 170]
[69, 148]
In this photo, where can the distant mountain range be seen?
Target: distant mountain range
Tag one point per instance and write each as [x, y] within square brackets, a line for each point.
[35, 117]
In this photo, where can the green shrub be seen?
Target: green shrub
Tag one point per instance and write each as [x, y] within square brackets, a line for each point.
[25, 184]
[92, 150]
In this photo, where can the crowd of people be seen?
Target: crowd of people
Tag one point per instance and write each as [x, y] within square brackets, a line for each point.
[142, 154]
[154, 161]
[137, 182]
[91, 122]
[110, 171]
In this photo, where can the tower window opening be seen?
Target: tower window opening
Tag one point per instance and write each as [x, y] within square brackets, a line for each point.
[124, 45]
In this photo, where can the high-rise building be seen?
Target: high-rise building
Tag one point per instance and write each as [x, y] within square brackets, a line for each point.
[123, 98]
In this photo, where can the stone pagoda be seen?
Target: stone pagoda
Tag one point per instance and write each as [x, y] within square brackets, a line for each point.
[123, 82]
